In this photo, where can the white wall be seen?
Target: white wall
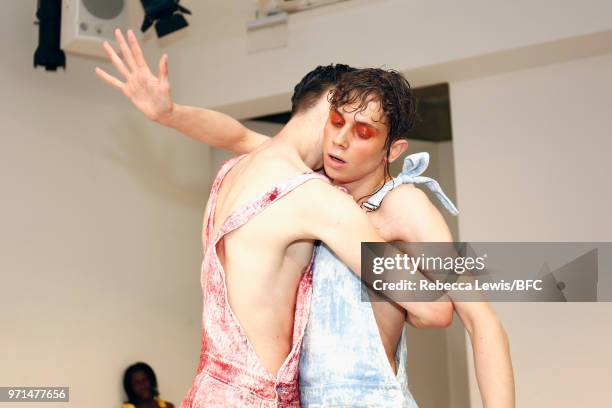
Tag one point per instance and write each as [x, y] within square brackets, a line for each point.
[101, 211]
[532, 164]
[100, 239]
[421, 37]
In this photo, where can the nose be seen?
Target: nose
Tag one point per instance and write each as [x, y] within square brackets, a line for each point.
[340, 138]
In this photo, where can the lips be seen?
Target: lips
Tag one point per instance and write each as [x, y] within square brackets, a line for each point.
[334, 162]
[336, 159]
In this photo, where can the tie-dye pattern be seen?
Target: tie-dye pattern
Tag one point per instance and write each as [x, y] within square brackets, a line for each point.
[230, 374]
[343, 362]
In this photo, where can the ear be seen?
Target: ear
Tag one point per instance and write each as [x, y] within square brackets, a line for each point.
[397, 149]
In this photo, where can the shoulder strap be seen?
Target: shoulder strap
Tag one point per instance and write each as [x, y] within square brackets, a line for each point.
[414, 165]
[250, 209]
[214, 192]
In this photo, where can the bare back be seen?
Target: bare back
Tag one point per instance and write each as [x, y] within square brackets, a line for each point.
[263, 259]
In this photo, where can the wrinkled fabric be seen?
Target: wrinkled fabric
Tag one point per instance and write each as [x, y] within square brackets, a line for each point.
[343, 362]
[230, 374]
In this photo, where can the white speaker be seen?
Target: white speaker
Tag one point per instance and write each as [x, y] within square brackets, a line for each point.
[87, 23]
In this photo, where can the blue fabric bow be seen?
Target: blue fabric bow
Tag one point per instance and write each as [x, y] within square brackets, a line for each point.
[414, 165]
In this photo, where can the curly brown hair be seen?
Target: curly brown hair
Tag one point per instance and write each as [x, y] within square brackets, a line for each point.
[356, 89]
[399, 105]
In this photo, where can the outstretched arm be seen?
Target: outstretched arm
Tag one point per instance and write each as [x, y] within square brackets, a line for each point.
[424, 223]
[213, 128]
[152, 96]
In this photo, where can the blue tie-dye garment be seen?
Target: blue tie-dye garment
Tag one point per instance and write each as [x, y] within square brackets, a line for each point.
[343, 362]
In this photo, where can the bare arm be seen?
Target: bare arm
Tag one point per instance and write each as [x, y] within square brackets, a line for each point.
[491, 351]
[424, 223]
[152, 96]
[213, 128]
[333, 217]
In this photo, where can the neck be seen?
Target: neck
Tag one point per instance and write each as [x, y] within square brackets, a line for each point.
[302, 136]
[146, 403]
[362, 189]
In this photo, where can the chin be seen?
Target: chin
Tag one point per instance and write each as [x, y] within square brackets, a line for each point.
[338, 177]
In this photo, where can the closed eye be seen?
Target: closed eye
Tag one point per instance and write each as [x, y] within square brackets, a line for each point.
[364, 131]
[336, 119]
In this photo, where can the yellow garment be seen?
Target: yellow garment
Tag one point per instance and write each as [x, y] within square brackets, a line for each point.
[160, 402]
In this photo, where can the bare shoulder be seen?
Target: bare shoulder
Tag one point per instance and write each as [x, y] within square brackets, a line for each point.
[321, 206]
[410, 216]
[406, 198]
[270, 160]
[318, 194]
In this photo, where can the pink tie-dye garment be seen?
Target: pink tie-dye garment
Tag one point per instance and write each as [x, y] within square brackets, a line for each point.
[230, 374]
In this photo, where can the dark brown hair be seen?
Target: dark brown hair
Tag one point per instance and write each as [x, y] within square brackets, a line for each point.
[308, 91]
[356, 89]
[389, 87]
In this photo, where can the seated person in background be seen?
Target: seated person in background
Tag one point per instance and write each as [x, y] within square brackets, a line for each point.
[140, 385]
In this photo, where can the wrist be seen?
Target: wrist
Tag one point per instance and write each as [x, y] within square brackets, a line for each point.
[167, 118]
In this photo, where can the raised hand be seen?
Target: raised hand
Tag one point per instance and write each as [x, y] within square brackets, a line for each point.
[149, 93]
